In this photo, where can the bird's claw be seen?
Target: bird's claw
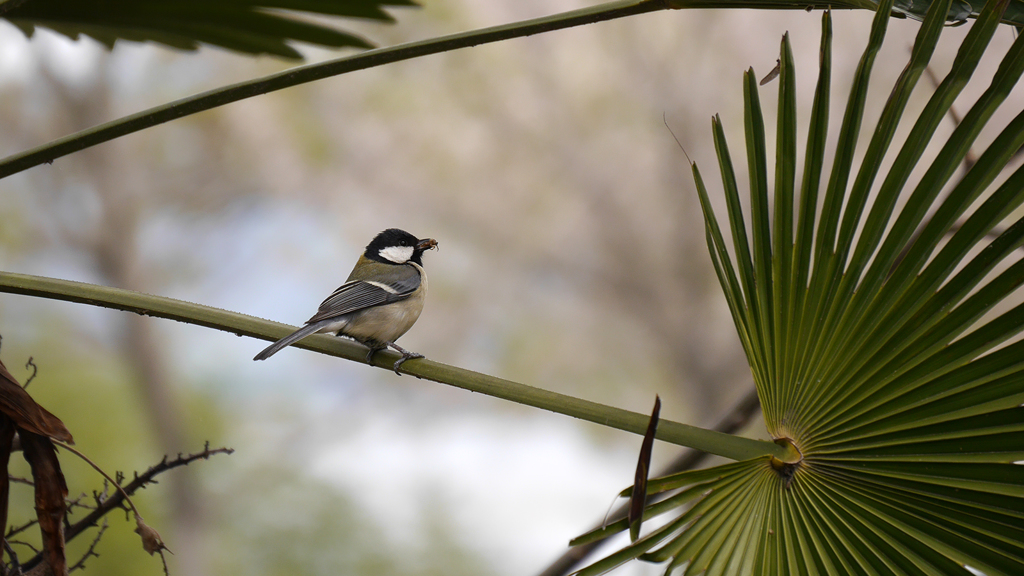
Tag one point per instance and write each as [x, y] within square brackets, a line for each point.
[406, 356]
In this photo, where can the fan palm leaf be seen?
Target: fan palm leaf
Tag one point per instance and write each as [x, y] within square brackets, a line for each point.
[248, 26]
[881, 339]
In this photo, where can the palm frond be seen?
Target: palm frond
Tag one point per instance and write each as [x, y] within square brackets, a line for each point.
[248, 26]
[881, 333]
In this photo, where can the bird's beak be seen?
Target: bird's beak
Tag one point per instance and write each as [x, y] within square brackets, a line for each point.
[427, 244]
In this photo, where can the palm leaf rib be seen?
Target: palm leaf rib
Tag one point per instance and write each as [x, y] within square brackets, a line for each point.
[841, 280]
[813, 167]
[759, 216]
[751, 321]
[907, 303]
[947, 161]
[882, 334]
[821, 291]
[785, 178]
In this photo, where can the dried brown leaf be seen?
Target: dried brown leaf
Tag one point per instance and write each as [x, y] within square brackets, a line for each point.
[638, 499]
[151, 541]
[17, 405]
[51, 490]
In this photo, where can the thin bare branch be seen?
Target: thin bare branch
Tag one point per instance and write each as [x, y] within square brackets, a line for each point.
[35, 370]
[116, 499]
[91, 552]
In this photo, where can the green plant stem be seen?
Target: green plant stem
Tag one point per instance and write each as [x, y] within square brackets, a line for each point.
[302, 74]
[733, 447]
[203, 101]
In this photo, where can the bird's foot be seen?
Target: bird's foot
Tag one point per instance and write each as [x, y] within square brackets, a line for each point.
[406, 355]
[373, 350]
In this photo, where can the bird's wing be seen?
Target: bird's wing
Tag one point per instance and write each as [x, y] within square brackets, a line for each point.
[397, 284]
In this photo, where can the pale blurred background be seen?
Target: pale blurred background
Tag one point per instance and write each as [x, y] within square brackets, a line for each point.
[571, 258]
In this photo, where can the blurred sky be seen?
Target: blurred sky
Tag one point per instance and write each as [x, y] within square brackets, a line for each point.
[571, 258]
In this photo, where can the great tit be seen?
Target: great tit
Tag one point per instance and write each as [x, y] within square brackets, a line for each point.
[380, 301]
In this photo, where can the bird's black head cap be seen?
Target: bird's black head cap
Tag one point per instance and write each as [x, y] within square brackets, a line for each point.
[394, 246]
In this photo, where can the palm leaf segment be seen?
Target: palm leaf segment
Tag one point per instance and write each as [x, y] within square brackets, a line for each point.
[879, 339]
[248, 26]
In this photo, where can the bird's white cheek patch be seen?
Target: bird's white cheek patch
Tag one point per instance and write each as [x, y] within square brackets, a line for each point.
[397, 254]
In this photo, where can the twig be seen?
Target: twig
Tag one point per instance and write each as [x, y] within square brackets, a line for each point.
[25, 544]
[69, 507]
[15, 566]
[35, 370]
[92, 548]
[100, 497]
[164, 560]
[19, 529]
[141, 480]
[77, 503]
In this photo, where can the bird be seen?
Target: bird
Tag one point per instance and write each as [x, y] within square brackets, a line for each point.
[380, 301]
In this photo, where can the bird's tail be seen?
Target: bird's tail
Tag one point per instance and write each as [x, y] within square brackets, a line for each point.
[288, 340]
